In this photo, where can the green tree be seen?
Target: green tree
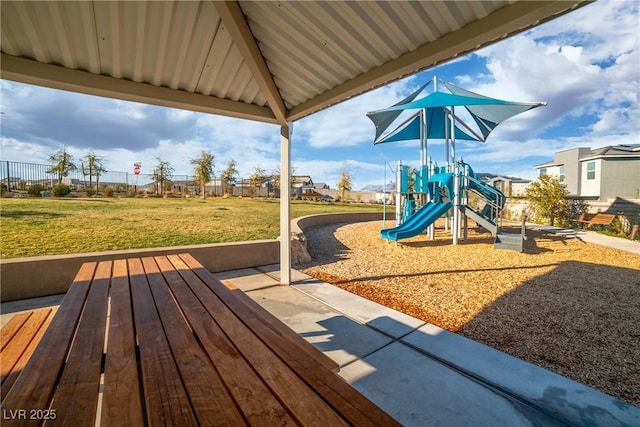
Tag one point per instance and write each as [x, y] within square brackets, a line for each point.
[548, 198]
[61, 164]
[202, 170]
[345, 183]
[162, 174]
[228, 175]
[91, 165]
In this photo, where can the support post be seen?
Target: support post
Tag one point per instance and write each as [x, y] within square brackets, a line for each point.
[384, 196]
[285, 204]
[465, 202]
[455, 227]
[398, 193]
[430, 198]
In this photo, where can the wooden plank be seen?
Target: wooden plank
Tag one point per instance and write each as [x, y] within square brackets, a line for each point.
[165, 398]
[602, 219]
[34, 329]
[12, 327]
[19, 341]
[211, 401]
[355, 407]
[33, 390]
[256, 401]
[76, 399]
[282, 329]
[301, 401]
[121, 401]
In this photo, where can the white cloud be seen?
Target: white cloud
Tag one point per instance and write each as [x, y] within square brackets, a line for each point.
[346, 124]
[586, 65]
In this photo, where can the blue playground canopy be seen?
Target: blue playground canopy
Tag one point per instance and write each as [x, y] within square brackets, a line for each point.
[439, 107]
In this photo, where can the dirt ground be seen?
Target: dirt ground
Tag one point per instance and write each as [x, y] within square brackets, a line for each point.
[563, 304]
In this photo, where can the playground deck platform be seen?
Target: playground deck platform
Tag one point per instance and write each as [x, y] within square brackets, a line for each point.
[418, 373]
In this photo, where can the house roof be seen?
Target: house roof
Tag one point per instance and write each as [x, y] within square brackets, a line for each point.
[511, 179]
[270, 61]
[610, 151]
[301, 178]
[546, 164]
[615, 151]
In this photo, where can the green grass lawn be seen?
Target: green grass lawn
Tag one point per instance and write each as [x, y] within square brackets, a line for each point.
[52, 226]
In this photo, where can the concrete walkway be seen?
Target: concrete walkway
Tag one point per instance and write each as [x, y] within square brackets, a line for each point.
[592, 237]
[423, 375]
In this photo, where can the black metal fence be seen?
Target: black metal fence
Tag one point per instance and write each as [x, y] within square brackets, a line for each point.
[20, 177]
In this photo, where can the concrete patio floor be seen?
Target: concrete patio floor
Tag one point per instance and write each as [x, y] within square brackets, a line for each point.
[420, 374]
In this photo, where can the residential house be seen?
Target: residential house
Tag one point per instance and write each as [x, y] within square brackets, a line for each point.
[509, 186]
[301, 181]
[603, 173]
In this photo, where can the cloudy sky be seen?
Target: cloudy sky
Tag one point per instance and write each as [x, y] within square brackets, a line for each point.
[585, 65]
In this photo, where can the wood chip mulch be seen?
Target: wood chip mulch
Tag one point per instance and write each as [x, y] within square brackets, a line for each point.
[563, 304]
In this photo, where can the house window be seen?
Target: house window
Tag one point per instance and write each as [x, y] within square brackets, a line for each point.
[561, 173]
[543, 171]
[591, 170]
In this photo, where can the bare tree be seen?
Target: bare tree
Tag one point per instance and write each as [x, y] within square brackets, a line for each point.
[228, 175]
[202, 170]
[257, 177]
[277, 175]
[161, 174]
[345, 183]
[91, 165]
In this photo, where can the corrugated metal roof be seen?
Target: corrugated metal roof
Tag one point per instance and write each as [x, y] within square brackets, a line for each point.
[263, 60]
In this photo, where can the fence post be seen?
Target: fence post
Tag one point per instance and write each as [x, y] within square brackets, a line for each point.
[8, 178]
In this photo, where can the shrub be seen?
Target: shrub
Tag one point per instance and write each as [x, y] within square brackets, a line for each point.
[3, 188]
[60, 190]
[107, 190]
[35, 190]
[548, 199]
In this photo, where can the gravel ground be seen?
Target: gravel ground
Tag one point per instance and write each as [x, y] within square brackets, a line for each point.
[565, 305]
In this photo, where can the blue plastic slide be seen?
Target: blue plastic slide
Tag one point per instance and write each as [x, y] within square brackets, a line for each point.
[417, 223]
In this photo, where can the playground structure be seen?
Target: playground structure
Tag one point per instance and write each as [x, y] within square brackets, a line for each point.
[428, 192]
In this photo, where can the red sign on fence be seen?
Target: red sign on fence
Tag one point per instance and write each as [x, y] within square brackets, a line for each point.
[136, 168]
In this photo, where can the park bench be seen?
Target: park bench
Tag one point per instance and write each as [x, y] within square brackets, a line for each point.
[600, 219]
[160, 341]
[18, 340]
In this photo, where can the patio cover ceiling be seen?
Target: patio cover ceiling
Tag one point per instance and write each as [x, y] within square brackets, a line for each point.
[269, 61]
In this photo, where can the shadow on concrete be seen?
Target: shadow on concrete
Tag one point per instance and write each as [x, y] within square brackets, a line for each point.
[432, 376]
[30, 304]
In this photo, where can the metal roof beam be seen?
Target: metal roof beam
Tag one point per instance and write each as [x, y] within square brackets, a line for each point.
[37, 73]
[235, 22]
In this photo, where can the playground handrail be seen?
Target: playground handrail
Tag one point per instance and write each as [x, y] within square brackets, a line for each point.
[492, 196]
